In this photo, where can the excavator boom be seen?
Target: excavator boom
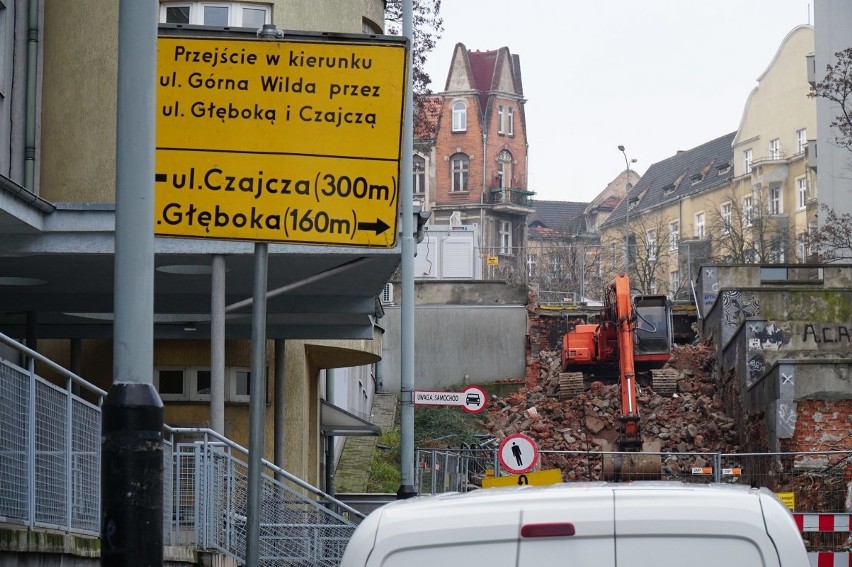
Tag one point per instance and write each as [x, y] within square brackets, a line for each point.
[630, 439]
[631, 332]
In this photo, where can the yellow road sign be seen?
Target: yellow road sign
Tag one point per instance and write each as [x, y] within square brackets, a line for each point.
[549, 476]
[291, 140]
[788, 498]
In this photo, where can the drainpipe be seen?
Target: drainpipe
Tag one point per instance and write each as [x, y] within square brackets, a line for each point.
[329, 438]
[32, 75]
[482, 194]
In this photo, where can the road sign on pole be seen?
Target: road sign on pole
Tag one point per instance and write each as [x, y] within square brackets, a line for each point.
[472, 399]
[518, 453]
[294, 140]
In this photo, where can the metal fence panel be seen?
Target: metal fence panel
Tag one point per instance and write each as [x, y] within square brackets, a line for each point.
[51, 459]
[50, 446]
[86, 466]
[14, 425]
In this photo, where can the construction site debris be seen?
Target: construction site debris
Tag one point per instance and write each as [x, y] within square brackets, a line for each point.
[689, 420]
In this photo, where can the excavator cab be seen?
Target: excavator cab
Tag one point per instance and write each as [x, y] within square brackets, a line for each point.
[652, 341]
[653, 326]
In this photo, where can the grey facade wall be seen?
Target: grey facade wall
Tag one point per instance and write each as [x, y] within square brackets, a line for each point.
[832, 33]
[453, 344]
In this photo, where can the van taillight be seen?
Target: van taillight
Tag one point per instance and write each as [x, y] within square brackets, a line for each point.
[547, 530]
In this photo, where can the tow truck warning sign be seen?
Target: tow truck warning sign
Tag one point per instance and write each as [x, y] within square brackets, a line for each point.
[287, 141]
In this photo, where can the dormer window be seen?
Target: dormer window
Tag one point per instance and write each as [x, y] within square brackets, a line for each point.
[668, 188]
[696, 178]
[723, 168]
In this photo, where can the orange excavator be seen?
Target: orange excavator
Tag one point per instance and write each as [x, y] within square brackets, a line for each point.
[632, 340]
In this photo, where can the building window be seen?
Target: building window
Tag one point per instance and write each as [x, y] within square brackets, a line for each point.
[171, 383]
[419, 185]
[674, 234]
[192, 383]
[674, 282]
[651, 244]
[504, 169]
[532, 260]
[802, 247]
[699, 225]
[747, 161]
[801, 192]
[776, 207]
[239, 385]
[510, 121]
[776, 250]
[199, 384]
[370, 27]
[222, 14]
[506, 238]
[801, 140]
[775, 149]
[726, 218]
[460, 164]
[500, 119]
[652, 285]
[459, 116]
[747, 210]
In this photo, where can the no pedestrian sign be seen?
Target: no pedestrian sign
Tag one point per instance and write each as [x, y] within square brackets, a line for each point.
[294, 140]
[518, 453]
[472, 399]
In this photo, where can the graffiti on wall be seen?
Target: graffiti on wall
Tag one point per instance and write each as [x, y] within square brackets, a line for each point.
[710, 287]
[820, 333]
[756, 367]
[785, 420]
[737, 305]
[766, 335]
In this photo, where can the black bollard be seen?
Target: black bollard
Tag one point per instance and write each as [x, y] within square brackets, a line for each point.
[132, 476]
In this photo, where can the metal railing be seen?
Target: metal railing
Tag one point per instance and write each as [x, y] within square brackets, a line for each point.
[299, 524]
[50, 477]
[50, 446]
[509, 196]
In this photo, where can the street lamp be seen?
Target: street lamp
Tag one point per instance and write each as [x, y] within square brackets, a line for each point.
[628, 187]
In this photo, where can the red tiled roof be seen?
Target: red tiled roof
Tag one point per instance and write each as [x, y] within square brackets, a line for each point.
[482, 65]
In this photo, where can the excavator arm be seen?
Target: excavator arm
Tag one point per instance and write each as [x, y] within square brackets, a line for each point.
[629, 463]
[630, 439]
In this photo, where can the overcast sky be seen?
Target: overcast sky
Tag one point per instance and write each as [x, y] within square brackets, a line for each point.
[656, 76]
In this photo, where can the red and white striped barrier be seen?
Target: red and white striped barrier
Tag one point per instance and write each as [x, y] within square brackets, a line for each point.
[826, 523]
[822, 522]
[830, 559]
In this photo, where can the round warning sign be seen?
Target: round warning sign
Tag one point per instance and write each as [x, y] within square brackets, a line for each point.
[518, 453]
[474, 399]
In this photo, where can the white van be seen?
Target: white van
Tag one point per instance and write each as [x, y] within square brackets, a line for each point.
[653, 524]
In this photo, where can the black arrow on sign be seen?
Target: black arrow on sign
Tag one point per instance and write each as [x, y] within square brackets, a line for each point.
[379, 226]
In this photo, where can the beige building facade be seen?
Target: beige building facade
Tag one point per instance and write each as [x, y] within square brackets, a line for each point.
[748, 196]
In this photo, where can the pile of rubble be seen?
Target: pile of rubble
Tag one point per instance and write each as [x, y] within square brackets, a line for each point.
[691, 420]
